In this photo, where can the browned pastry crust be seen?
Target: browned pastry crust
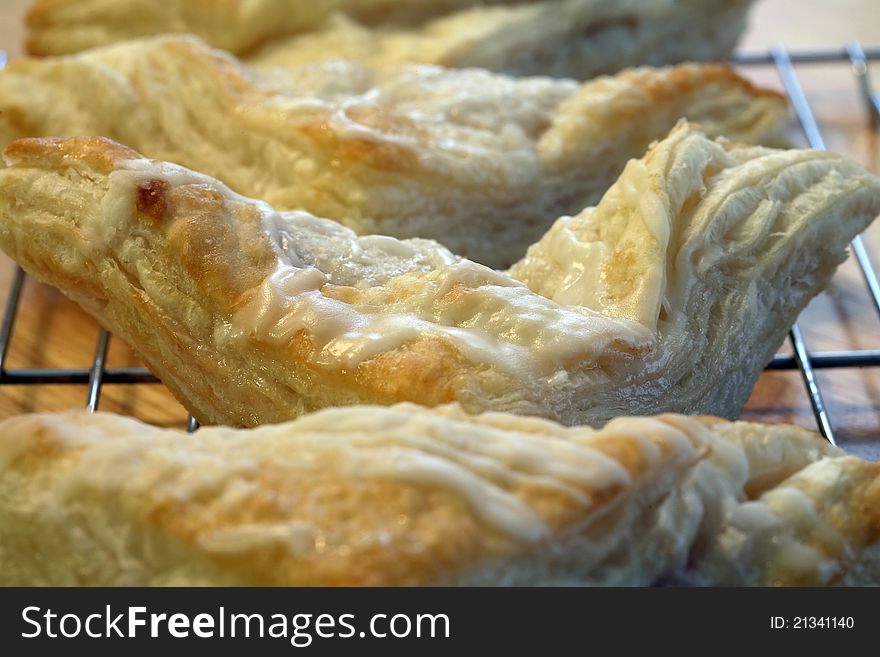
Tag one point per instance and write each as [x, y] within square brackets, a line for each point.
[59, 27]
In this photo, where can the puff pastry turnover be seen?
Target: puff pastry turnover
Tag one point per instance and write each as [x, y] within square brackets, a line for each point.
[480, 162]
[563, 38]
[670, 295]
[59, 27]
[408, 496]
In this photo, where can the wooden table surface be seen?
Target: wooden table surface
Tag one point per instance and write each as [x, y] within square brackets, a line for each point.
[53, 332]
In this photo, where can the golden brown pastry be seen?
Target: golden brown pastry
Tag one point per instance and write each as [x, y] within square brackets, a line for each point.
[670, 295]
[480, 162]
[577, 39]
[59, 27]
[563, 38]
[408, 496]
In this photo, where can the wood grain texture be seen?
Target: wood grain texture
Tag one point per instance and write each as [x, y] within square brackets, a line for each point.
[53, 332]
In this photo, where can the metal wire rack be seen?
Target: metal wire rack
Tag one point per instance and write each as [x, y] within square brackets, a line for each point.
[802, 358]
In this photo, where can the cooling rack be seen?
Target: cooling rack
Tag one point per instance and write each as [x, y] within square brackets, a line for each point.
[802, 358]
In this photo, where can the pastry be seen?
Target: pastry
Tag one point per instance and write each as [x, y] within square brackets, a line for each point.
[562, 38]
[409, 496]
[480, 162]
[59, 27]
[671, 295]
[577, 39]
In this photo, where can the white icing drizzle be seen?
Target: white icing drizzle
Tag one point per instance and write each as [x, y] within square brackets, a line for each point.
[175, 175]
[555, 458]
[493, 505]
[504, 325]
[295, 537]
[335, 113]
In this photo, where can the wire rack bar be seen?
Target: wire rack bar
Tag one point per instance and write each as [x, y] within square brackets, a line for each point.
[822, 360]
[96, 374]
[859, 61]
[819, 56]
[9, 316]
[51, 376]
[805, 365]
[828, 360]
